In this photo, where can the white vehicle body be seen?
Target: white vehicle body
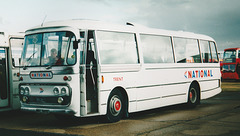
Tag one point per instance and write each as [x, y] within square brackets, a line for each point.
[127, 74]
[9, 65]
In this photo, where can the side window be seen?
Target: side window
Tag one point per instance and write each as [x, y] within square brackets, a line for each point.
[71, 58]
[16, 48]
[205, 49]
[157, 49]
[186, 50]
[229, 56]
[82, 47]
[91, 52]
[214, 52]
[117, 48]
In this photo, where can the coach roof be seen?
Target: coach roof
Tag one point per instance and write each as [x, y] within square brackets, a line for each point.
[99, 25]
[84, 24]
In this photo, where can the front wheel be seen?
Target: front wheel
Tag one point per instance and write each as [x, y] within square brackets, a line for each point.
[115, 106]
[193, 96]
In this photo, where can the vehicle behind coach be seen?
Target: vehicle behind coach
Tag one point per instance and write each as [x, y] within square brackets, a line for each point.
[89, 68]
[10, 54]
[231, 64]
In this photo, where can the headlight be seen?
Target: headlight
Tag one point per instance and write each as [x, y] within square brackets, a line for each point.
[56, 90]
[63, 90]
[27, 90]
[22, 91]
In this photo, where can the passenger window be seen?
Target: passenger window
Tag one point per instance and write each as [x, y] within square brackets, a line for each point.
[205, 49]
[186, 50]
[117, 48]
[157, 49]
[214, 52]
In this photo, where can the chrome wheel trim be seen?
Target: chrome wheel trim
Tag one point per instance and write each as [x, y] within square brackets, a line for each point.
[115, 105]
[193, 95]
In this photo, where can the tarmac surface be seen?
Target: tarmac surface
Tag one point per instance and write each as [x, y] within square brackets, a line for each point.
[219, 115]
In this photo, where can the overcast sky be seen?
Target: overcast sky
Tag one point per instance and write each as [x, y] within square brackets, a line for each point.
[219, 19]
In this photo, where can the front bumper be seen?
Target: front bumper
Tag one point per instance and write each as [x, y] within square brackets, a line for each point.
[49, 110]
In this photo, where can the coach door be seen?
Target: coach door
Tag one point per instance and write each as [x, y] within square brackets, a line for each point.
[4, 84]
[91, 75]
[88, 77]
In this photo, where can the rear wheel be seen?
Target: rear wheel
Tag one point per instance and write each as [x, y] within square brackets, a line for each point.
[193, 96]
[115, 106]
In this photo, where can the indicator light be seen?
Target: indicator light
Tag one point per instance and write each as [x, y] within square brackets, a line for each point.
[102, 79]
[67, 78]
[21, 79]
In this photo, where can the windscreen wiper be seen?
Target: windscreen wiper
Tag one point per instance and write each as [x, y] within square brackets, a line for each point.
[24, 67]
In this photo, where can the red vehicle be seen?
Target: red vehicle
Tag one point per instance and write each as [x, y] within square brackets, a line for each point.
[231, 64]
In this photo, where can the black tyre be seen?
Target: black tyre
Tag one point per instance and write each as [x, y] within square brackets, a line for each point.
[115, 106]
[193, 96]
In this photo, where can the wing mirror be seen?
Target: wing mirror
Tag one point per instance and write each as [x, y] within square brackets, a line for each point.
[75, 44]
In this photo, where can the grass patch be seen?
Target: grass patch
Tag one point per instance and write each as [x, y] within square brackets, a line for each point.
[230, 86]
